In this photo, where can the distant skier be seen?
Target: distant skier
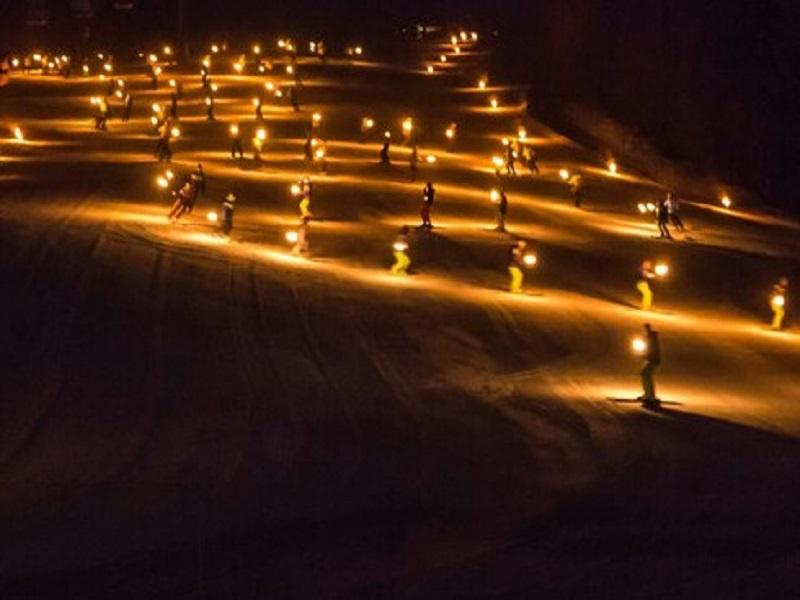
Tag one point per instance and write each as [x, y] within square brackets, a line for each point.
[308, 148]
[259, 138]
[227, 213]
[652, 358]
[400, 251]
[294, 98]
[428, 196]
[209, 101]
[516, 266]
[236, 142]
[778, 301]
[385, 160]
[154, 77]
[127, 107]
[199, 179]
[575, 184]
[662, 219]
[673, 211]
[502, 209]
[510, 160]
[183, 202]
[102, 114]
[301, 246]
[530, 159]
[163, 150]
[173, 105]
[646, 275]
[258, 109]
[305, 199]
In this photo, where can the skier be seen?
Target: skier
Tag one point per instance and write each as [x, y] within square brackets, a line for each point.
[308, 148]
[500, 198]
[294, 98]
[413, 161]
[646, 274]
[102, 114]
[450, 133]
[154, 70]
[257, 104]
[321, 156]
[673, 211]
[127, 106]
[652, 358]
[183, 202]
[516, 264]
[777, 302]
[236, 142]
[576, 188]
[510, 160]
[210, 109]
[199, 178]
[400, 251]
[662, 219]
[163, 150]
[385, 160]
[301, 246]
[173, 105]
[305, 199]
[428, 195]
[227, 213]
[530, 158]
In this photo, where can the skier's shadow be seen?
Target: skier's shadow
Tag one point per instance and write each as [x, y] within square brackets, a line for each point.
[663, 403]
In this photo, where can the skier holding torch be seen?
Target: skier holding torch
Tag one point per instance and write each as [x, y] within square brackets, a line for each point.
[519, 260]
[236, 142]
[777, 302]
[400, 251]
[650, 348]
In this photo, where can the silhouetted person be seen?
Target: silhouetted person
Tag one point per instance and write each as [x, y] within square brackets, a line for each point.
[102, 115]
[576, 188]
[652, 358]
[199, 179]
[127, 107]
[385, 160]
[662, 219]
[428, 195]
[510, 161]
[673, 210]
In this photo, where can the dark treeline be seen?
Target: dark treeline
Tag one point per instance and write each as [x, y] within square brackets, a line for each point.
[710, 82]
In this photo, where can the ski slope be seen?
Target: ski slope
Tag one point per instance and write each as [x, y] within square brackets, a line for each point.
[187, 416]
